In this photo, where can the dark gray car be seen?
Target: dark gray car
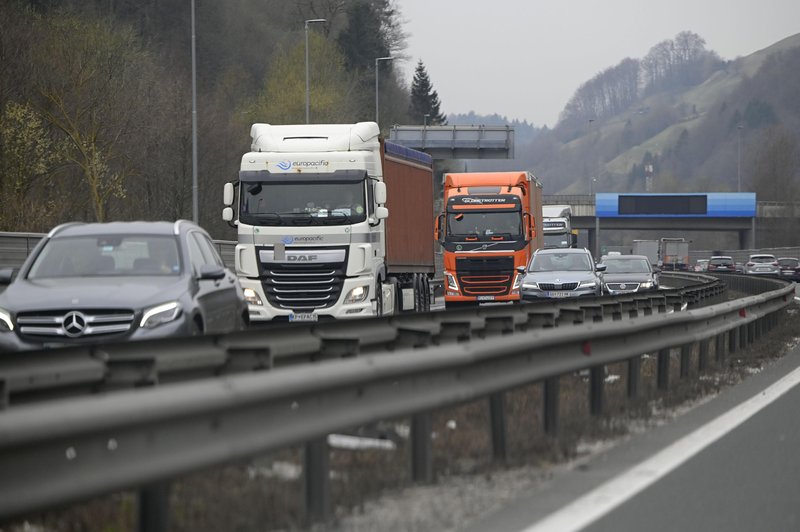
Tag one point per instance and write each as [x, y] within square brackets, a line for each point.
[118, 281]
[559, 273]
[629, 273]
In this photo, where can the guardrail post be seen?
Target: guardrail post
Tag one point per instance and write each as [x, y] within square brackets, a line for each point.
[686, 359]
[552, 391]
[702, 355]
[597, 376]
[3, 394]
[421, 452]
[316, 476]
[742, 336]
[751, 332]
[497, 413]
[634, 376]
[154, 507]
[663, 369]
[733, 340]
[719, 348]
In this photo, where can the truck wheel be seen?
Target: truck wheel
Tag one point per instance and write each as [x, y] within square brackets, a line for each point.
[419, 295]
[426, 294]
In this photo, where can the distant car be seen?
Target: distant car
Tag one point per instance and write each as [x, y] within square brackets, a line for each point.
[721, 264]
[701, 265]
[762, 264]
[629, 273]
[739, 267]
[560, 273]
[103, 282]
[789, 267]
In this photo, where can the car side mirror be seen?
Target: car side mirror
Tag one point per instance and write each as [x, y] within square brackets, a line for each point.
[6, 276]
[656, 269]
[521, 270]
[212, 272]
[600, 267]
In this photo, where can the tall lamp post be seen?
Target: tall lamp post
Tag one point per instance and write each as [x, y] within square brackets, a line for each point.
[739, 163]
[308, 104]
[377, 61]
[195, 207]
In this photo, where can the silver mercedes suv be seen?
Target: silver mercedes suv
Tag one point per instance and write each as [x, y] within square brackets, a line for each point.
[559, 273]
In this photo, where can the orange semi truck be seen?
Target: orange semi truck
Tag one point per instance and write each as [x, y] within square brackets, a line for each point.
[490, 226]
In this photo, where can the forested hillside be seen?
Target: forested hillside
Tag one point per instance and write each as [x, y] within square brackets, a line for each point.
[95, 97]
[701, 123]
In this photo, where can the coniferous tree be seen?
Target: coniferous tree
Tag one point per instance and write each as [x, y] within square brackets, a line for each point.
[424, 100]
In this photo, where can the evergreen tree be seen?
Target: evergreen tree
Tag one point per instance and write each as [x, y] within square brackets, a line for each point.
[424, 100]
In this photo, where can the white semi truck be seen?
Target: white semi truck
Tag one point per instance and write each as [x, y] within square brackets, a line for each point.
[332, 222]
[557, 225]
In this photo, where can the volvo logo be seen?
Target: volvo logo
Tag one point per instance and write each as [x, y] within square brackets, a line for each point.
[74, 324]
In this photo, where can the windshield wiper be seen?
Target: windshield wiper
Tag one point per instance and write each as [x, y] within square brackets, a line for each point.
[335, 217]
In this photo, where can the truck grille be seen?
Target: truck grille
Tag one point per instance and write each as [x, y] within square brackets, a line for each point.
[72, 324]
[303, 286]
[485, 276]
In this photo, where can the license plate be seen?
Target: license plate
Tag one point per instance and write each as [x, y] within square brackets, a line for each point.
[485, 298]
[303, 316]
[558, 294]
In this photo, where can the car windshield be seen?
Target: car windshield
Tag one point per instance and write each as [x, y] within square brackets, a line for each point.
[762, 258]
[553, 262]
[107, 255]
[627, 266]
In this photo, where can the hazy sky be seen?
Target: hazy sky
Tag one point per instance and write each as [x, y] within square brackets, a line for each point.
[525, 58]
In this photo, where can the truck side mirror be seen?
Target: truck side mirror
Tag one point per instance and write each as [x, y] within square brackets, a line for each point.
[227, 196]
[380, 192]
[528, 224]
[227, 214]
[573, 239]
[438, 230]
[381, 213]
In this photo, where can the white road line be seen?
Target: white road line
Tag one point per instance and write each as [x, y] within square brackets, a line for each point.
[602, 500]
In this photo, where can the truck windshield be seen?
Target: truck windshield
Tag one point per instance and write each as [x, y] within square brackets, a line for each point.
[476, 223]
[561, 240]
[306, 203]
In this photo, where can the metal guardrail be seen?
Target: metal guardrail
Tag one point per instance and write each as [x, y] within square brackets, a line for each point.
[57, 451]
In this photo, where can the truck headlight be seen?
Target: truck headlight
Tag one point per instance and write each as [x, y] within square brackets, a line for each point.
[155, 316]
[588, 284]
[6, 323]
[451, 281]
[251, 296]
[357, 294]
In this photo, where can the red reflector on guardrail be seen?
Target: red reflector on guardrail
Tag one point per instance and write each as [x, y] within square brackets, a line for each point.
[742, 313]
[586, 347]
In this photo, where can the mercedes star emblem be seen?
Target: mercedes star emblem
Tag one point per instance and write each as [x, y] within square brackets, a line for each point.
[74, 324]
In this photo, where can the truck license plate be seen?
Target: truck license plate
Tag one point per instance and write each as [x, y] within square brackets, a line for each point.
[558, 294]
[303, 316]
[485, 298]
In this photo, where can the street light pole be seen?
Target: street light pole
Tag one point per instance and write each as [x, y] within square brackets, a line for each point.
[739, 163]
[195, 207]
[308, 105]
[377, 60]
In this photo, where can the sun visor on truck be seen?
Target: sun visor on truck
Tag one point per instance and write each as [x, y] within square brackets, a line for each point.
[494, 202]
[338, 176]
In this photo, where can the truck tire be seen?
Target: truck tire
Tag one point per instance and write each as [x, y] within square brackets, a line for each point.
[379, 299]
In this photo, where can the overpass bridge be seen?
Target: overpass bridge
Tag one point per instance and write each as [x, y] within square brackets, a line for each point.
[726, 212]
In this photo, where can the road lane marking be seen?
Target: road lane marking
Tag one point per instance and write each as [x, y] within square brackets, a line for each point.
[597, 503]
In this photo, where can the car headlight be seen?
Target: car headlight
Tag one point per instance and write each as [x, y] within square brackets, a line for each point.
[588, 284]
[451, 281]
[252, 297]
[155, 316]
[6, 323]
[646, 284]
[357, 294]
[517, 282]
[530, 286]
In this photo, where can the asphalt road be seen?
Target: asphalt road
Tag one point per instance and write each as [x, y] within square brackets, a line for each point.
[732, 463]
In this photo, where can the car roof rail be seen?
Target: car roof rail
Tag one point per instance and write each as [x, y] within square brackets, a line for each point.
[61, 227]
